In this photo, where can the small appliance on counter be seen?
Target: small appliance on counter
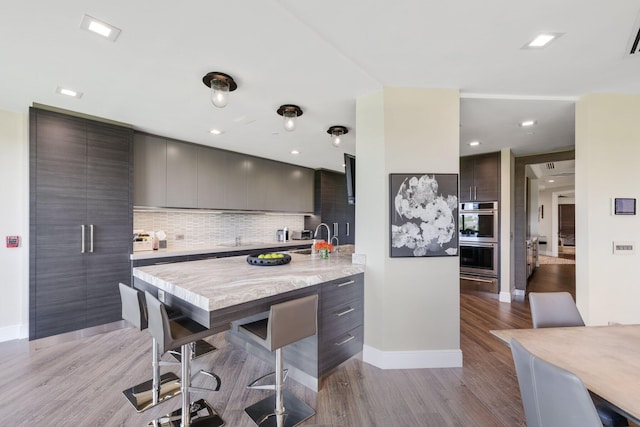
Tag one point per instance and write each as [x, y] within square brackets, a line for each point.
[302, 235]
[282, 235]
[142, 241]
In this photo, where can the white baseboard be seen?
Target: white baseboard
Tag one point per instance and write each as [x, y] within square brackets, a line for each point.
[418, 359]
[519, 292]
[505, 297]
[14, 332]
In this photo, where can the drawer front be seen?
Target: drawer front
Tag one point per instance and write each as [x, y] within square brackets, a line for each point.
[342, 317]
[342, 290]
[333, 352]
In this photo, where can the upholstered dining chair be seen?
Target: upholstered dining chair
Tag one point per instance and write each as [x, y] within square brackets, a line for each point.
[558, 309]
[552, 396]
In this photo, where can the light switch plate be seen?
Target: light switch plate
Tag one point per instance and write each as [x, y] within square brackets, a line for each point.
[624, 248]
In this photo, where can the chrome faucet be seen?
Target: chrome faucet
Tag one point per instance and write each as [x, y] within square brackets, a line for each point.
[335, 247]
[328, 231]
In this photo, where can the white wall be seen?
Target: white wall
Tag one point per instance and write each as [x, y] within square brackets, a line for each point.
[412, 314]
[14, 220]
[607, 153]
[507, 224]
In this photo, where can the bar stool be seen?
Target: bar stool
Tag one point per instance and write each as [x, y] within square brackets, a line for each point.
[161, 387]
[171, 334]
[287, 323]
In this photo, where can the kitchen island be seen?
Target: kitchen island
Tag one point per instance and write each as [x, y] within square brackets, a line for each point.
[219, 293]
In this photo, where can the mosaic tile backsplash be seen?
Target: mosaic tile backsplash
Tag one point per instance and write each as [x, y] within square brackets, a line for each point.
[205, 229]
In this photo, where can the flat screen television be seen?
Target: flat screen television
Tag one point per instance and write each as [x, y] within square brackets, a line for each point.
[350, 172]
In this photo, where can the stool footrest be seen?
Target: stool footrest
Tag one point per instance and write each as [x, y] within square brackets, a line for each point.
[296, 411]
[202, 415]
[270, 384]
[141, 396]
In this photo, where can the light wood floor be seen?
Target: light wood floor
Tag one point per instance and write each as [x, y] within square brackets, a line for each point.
[79, 383]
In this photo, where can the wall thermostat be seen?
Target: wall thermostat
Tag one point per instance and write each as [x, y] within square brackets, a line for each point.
[624, 206]
[13, 241]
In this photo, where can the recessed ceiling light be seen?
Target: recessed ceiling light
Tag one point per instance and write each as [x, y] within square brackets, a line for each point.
[527, 123]
[216, 132]
[294, 152]
[99, 27]
[551, 180]
[474, 143]
[542, 40]
[68, 92]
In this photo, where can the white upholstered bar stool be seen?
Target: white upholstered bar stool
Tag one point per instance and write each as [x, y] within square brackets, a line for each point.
[181, 333]
[161, 387]
[287, 323]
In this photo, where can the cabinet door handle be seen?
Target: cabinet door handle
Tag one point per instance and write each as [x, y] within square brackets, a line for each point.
[348, 230]
[91, 238]
[470, 198]
[336, 230]
[347, 311]
[346, 283]
[475, 192]
[82, 239]
[346, 340]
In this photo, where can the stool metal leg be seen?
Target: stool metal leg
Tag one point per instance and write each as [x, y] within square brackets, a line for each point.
[160, 388]
[186, 383]
[282, 409]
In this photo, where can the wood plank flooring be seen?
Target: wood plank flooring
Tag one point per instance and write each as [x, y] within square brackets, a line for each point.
[80, 383]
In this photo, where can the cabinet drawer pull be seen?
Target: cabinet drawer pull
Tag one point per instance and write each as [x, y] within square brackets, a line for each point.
[346, 340]
[91, 239]
[347, 311]
[346, 283]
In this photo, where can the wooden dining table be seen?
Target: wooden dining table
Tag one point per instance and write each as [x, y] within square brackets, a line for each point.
[605, 358]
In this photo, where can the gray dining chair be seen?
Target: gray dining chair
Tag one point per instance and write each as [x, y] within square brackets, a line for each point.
[552, 396]
[558, 309]
[554, 309]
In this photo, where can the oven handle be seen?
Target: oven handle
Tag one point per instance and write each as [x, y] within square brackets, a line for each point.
[479, 244]
[476, 279]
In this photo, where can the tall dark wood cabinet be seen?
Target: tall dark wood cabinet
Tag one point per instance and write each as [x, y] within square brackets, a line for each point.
[81, 221]
[480, 177]
[331, 207]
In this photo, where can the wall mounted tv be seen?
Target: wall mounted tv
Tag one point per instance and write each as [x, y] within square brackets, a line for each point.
[350, 172]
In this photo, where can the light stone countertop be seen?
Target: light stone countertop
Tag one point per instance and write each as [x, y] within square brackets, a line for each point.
[170, 252]
[217, 283]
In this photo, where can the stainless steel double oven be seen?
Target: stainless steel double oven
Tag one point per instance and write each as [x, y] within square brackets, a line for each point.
[479, 245]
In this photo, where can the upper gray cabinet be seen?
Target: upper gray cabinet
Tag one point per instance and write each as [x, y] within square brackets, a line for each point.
[150, 170]
[183, 175]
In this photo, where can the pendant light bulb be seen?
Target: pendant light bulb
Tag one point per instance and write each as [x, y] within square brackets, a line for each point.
[336, 133]
[289, 120]
[220, 84]
[219, 93]
[289, 113]
[336, 139]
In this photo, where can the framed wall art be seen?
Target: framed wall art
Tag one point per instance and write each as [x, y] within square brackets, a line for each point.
[424, 214]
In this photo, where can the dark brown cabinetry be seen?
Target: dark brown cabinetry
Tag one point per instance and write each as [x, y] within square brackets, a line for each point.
[331, 207]
[80, 222]
[480, 177]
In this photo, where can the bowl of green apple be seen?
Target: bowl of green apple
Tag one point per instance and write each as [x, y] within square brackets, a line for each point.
[268, 259]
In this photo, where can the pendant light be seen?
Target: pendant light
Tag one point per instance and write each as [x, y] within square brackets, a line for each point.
[336, 133]
[289, 113]
[221, 84]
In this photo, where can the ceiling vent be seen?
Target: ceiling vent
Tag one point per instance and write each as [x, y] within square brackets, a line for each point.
[551, 166]
[633, 47]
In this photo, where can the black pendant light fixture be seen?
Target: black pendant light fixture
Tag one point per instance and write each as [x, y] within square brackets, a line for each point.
[289, 113]
[221, 84]
[336, 133]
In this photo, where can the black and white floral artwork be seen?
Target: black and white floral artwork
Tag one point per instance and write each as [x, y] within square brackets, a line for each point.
[424, 215]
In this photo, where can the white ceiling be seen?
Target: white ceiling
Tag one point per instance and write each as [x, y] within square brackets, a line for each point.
[321, 55]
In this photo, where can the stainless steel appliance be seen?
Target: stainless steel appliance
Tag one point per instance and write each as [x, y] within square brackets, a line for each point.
[301, 235]
[480, 258]
[282, 235]
[478, 222]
